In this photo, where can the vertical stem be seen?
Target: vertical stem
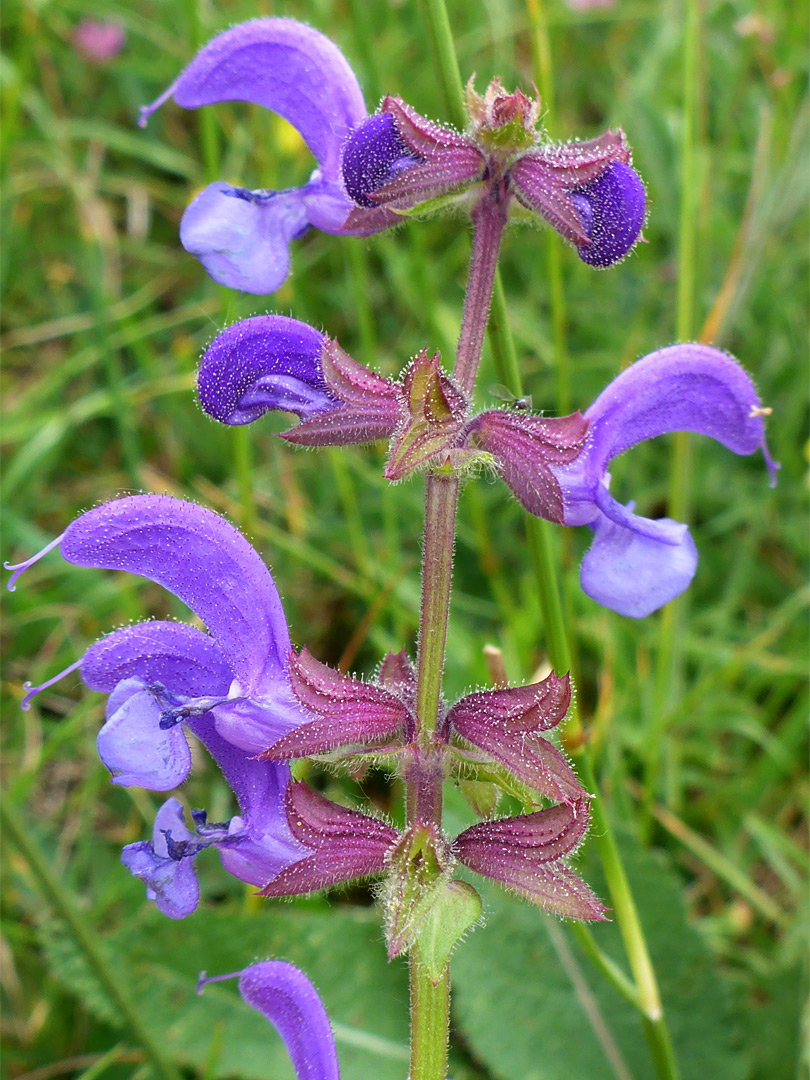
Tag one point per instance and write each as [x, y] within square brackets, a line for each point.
[489, 219]
[430, 1022]
[441, 496]
[430, 1004]
[671, 622]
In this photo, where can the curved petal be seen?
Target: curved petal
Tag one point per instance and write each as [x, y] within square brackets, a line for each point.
[205, 562]
[185, 660]
[286, 997]
[679, 388]
[611, 209]
[286, 67]
[265, 362]
[631, 570]
[170, 883]
[266, 845]
[135, 748]
[242, 237]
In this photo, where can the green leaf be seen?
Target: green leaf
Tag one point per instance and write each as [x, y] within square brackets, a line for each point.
[528, 1003]
[450, 917]
[340, 950]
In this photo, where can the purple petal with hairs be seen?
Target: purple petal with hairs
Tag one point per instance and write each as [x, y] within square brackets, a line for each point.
[178, 656]
[611, 209]
[373, 154]
[262, 363]
[286, 67]
[286, 997]
[205, 562]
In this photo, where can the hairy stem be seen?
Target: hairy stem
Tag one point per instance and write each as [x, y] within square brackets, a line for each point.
[430, 1004]
[489, 219]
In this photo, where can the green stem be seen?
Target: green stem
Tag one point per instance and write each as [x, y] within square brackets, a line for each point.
[544, 66]
[445, 61]
[441, 497]
[430, 1021]
[673, 617]
[86, 938]
[648, 997]
[430, 1004]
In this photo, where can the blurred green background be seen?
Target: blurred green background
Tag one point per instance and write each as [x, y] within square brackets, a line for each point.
[704, 773]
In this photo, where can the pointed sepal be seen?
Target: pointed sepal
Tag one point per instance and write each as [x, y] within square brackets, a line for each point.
[435, 409]
[348, 712]
[505, 725]
[344, 844]
[419, 868]
[525, 448]
[368, 405]
[521, 853]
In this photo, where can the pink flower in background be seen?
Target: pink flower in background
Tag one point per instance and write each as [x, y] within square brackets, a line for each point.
[586, 5]
[98, 42]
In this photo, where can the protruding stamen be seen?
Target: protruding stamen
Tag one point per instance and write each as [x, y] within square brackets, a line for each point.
[31, 691]
[18, 568]
[771, 465]
[204, 979]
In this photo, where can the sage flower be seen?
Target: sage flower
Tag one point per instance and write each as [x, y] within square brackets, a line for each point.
[635, 565]
[242, 237]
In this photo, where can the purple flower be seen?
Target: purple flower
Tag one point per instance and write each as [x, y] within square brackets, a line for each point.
[286, 997]
[238, 675]
[231, 687]
[587, 191]
[265, 362]
[636, 565]
[254, 846]
[272, 362]
[242, 237]
[611, 209]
